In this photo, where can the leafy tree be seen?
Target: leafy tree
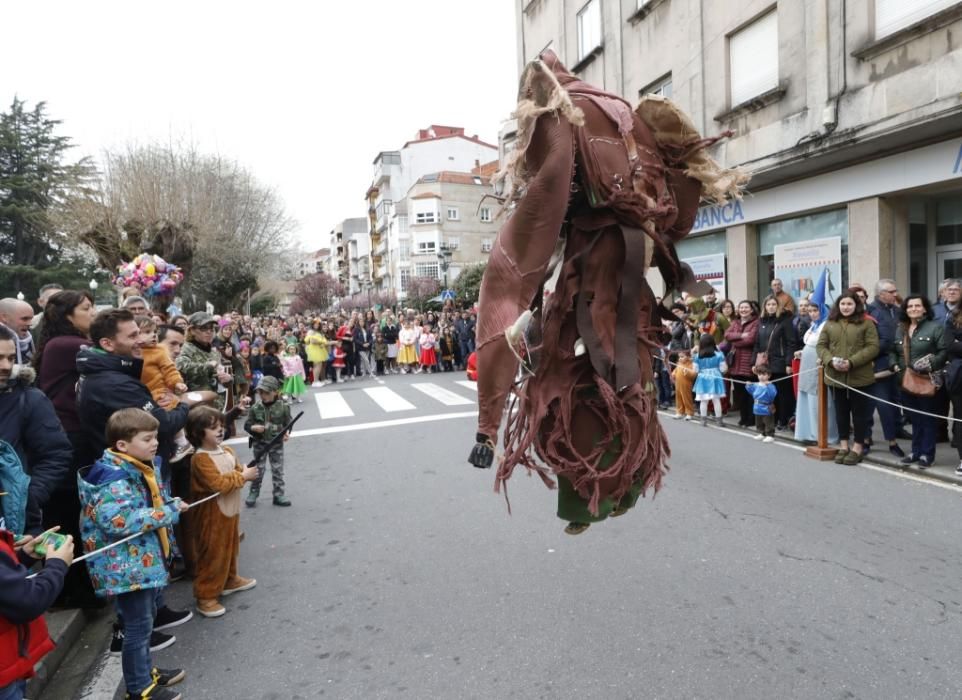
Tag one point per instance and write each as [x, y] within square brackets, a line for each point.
[468, 284]
[262, 305]
[35, 179]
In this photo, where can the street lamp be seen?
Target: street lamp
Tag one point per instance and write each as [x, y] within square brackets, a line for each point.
[20, 296]
[93, 290]
[444, 258]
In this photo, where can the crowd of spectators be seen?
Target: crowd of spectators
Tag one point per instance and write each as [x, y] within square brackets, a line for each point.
[891, 356]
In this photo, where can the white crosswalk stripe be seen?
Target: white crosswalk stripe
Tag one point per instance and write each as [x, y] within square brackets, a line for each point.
[448, 398]
[332, 405]
[468, 384]
[389, 400]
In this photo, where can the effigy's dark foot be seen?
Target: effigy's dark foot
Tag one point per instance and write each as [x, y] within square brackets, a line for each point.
[482, 454]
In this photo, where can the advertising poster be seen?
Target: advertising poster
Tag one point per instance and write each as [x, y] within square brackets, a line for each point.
[799, 266]
[711, 269]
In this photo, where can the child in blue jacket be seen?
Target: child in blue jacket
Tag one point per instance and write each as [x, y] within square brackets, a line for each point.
[122, 495]
[763, 392]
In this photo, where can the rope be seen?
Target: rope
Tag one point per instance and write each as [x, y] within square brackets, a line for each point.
[130, 537]
[843, 385]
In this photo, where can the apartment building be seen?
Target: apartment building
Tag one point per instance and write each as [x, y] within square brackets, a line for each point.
[432, 150]
[451, 226]
[847, 112]
[351, 253]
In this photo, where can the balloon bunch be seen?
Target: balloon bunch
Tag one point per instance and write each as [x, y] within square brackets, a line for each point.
[151, 274]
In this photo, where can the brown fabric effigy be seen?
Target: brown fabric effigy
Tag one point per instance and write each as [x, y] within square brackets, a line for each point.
[579, 174]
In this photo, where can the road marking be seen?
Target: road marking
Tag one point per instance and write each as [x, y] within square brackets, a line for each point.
[367, 426]
[473, 386]
[448, 398]
[106, 677]
[332, 405]
[388, 400]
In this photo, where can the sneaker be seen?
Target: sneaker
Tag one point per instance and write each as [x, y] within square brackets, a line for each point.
[897, 451]
[958, 470]
[677, 416]
[282, 501]
[182, 451]
[300, 400]
[317, 385]
[760, 436]
[251, 500]
[167, 618]
[704, 422]
[238, 584]
[688, 418]
[155, 692]
[924, 462]
[768, 438]
[166, 677]
[909, 459]
[210, 608]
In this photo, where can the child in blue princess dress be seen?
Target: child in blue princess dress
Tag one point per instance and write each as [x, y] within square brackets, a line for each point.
[710, 384]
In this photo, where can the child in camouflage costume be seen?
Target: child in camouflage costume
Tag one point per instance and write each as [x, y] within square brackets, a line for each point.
[265, 421]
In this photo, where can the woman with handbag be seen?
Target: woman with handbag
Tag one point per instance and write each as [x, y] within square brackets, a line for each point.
[775, 347]
[741, 336]
[847, 347]
[918, 355]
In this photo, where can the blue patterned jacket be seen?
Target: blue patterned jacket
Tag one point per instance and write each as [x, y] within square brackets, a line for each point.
[115, 502]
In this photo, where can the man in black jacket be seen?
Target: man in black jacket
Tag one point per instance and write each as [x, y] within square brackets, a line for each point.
[110, 380]
[29, 423]
[464, 329]
[885, 310]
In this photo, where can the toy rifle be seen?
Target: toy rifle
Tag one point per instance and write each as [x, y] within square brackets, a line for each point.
[261, 450]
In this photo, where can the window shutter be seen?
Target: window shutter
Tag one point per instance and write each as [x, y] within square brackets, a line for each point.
[753, 57]
[893, 15]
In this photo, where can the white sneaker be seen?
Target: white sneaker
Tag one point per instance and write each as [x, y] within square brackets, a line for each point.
[769, 439]
[688, 418]
[760, 436]
[317, 385]
[677, 416]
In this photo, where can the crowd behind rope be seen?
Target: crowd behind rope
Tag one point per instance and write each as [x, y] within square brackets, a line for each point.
[112, 425]
[895, 357]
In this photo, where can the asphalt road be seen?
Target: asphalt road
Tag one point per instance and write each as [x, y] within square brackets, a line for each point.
[755, 573]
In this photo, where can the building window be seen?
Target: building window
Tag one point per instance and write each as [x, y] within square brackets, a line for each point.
[893, 15]
[662, 87]
[405, 278]
[486, 245]
[454, 214]
[452, 243]
[589, 28]
[486, 215]
[404, 250]
[426, 247]
[426, 270]
[426, 217]
[753, 59]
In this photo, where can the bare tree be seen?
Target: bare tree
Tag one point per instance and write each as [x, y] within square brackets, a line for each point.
[202, 212]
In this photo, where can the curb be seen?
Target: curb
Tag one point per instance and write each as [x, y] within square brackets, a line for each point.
[64, 627]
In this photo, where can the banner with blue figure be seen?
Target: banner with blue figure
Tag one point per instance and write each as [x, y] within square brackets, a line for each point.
[800, 266]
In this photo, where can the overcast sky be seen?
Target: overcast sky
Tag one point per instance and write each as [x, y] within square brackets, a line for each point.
[302, 94]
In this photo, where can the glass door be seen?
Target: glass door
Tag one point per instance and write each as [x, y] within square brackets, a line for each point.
[949, 264]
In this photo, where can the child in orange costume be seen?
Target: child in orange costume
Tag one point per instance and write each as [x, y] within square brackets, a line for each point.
[684, 377]
[161, 377]
[215, 523]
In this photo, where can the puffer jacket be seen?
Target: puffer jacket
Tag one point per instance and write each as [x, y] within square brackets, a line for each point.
[23, 632]
[856, 342]
[742, 336]
[928, 339]
[115, 502]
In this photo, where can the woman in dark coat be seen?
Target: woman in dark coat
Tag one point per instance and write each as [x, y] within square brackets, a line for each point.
[776, 339]
[66, 323]
[741, 335]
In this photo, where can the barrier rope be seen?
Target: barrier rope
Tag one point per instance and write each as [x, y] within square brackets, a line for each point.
[137, 534]
[838, 384]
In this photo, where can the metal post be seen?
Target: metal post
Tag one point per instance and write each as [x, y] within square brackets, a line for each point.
[822, 452]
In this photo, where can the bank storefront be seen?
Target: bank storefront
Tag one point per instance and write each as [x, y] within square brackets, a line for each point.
[898, 216]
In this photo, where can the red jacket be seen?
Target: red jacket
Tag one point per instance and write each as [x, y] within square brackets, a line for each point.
[473, 366]
[23, 644]
[743, 346]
